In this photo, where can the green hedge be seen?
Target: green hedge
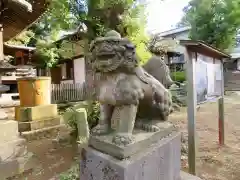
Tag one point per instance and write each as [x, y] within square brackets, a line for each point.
[178, 76]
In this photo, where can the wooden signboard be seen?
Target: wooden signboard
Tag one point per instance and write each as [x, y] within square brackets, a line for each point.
[201, 59]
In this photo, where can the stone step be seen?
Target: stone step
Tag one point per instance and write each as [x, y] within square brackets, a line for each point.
[39, 124]
[44, 133]
[17, 166]
[8, 130]
[15, 158]
[12, 149]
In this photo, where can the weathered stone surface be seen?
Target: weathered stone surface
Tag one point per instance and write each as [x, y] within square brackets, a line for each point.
[142, 140]
[27, 114]
[11, 149]
[160, 161]
[186, 176]
[126, 91]
[17, 166]
[38, 124]
[3, 115]
[15, 158]
[48, 132]
[8, 130]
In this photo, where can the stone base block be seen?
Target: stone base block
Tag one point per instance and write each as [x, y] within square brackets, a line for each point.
[27, 114]
[142, 140]
[160, 161]
[15, 158]
[48, 132]
[186, 176]
[12, 148]
[8, 130]
[17, 113]
[17, 166]
[38, 124]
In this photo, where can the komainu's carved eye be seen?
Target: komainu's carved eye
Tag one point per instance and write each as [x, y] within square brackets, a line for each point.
[119, 48]
[130, 46]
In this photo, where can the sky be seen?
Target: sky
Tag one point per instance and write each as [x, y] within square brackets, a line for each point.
[163, 15]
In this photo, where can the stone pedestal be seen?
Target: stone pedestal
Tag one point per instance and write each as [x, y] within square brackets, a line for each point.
[160, 161]
[39, 124]
[14, 156]
[35, 113]
[37, 117]
[153, 156]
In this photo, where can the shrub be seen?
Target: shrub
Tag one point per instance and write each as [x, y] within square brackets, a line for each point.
[93, 114]
[178, 76]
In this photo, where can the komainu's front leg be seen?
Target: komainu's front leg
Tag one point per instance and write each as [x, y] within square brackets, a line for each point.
[127, 116]
[104, 123]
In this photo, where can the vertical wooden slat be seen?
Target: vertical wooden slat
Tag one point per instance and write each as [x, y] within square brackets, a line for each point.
[67, 92]
[1, 43]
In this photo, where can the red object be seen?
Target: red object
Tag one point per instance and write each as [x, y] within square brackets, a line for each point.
[220, 135]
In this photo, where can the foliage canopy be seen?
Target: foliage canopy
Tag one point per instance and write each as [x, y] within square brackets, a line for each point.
[92, 18]
[213, 21]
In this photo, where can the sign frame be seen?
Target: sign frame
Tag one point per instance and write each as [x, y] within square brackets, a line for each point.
[192, 48]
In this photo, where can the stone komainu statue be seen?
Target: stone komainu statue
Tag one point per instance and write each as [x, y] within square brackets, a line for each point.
[127, 93]
[159, 70]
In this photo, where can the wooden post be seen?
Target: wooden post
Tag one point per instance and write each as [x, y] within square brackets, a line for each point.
[221, 112]
[1, 43]
[191, 109]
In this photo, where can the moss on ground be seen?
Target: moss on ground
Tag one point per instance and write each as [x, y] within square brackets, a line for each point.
[71, 174]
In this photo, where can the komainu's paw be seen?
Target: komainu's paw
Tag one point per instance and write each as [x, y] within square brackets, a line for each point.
[150, 128]
[123, 139]
[147, 126]
[100, 129]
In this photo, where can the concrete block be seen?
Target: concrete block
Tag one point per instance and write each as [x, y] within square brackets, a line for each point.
[38, 124]
[12, 149]
[142, 140]
[186, 176]
[48, 132]
[17, 166]
[8, 130]
[15, 158]
[17, 113]
[3, 115]
[160, 161]
[27, 114]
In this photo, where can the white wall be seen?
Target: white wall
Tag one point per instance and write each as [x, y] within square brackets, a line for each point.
[64, 71]
[79, 70]
[238, 64]
[66, 82]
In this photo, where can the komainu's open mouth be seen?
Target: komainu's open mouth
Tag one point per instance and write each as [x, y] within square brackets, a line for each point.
[105, 55]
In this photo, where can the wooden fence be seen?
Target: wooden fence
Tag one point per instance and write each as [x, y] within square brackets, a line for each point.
[67, 92]
[232, 81]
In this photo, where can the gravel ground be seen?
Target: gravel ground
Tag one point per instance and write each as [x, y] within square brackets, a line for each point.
[213, 162]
